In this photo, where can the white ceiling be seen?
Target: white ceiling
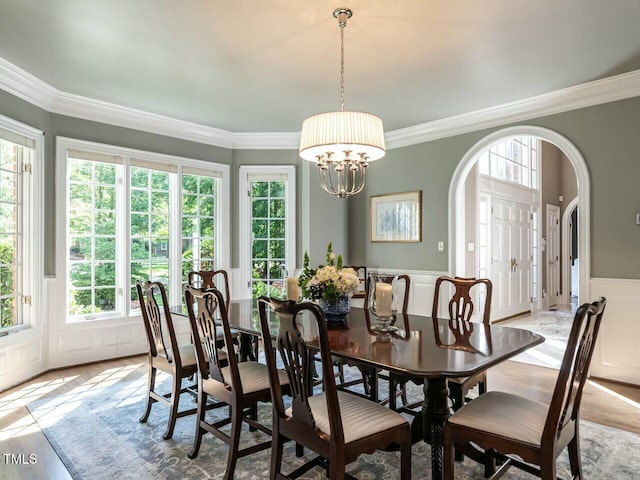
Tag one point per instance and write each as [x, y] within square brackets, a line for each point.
[264, 66]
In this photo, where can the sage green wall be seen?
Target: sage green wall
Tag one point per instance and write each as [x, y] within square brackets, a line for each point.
[427, 167]
[606, 135]
[320, 218]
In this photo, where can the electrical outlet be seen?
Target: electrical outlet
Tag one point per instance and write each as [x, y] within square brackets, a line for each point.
[440, 246]
[471, 247]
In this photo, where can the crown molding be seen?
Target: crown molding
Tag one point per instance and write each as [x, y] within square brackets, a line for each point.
[266, 140]
[619, 87]
[27, 87]
[104, 112]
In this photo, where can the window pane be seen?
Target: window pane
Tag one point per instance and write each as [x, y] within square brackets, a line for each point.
[277, 209]
[260, 208]
[259, 189]
[277, 189]
[105, 248]
[139, 200]
[80, 248]
[259, 228]
[106, 299]
[105, 198]
[277, 229]
[105, 223]
[105, 274]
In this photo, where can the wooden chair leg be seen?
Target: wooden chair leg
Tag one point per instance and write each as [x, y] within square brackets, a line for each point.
[393, 405]
[276, 455]
[489, 463]
[548, 468]
[202, 408]
[234, 441]
[341, 372]
[151, 385]
[253, 414]
[405, 461]
[448, 463]
[175, 401]
[403, 394]
[574, 457]
[337, 467]
[299, 450]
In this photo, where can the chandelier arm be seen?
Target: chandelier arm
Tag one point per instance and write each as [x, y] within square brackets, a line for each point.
[329, 175]
[323, 181]
[362, 172]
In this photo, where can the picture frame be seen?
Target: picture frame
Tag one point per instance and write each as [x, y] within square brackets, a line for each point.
[396, 217]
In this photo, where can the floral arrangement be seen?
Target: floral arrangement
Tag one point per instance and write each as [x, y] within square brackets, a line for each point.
[328, 281]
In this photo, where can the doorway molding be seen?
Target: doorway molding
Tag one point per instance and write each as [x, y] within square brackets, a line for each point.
[566, 247]
[457, 201]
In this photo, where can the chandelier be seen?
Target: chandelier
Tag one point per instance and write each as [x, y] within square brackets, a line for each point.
[342, 143]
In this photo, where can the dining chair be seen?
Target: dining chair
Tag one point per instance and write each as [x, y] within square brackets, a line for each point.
[240, 385]
[211, 279]
[217, 279]
[503, 423]
[460, 308]
[361, 271]
[337, 425]
[179, 361]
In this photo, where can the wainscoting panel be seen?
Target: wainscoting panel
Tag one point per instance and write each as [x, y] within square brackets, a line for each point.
[616, 356]
[83, 343]
[22, 357]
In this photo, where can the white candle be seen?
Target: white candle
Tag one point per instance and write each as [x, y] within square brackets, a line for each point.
[384, 295]
[292, 289]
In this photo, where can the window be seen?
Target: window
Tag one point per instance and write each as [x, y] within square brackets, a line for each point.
[135, 219]
[513, 160]
[268, 228]
[20, 261]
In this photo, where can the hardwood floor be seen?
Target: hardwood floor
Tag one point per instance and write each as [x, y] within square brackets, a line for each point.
[604, 402]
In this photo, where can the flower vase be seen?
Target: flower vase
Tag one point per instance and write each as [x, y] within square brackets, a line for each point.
[335, 311]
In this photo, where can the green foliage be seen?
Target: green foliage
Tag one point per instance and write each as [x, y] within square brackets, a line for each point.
[263, 289]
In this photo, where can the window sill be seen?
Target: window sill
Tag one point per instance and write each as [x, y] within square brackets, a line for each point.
[12, 335]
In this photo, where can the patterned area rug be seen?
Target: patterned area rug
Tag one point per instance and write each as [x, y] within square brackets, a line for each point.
[94, 429]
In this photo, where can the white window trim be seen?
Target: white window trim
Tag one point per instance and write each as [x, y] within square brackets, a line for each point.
[244, 229]
[63, 144]
[34, 320]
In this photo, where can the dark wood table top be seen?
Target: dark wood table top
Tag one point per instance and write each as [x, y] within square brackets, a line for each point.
[422, 346]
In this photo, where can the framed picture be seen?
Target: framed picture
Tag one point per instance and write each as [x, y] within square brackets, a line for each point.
[396, 217]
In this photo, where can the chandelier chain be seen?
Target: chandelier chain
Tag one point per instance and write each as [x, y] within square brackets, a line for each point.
[342, 66]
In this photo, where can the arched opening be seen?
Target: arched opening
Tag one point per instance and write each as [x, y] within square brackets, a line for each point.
[457, 246]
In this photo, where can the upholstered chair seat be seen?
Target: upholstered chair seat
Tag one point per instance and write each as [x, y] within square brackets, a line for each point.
[254, 377]
[361, 418]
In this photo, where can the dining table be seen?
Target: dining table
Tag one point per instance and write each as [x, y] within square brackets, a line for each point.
[425, 349]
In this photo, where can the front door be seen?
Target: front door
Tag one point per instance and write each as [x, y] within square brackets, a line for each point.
[510, 258]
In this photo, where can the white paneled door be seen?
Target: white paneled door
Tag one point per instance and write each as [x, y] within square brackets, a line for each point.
[553, 254]
[510, 257]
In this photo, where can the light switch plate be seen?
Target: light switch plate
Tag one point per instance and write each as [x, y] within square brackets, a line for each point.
[471, 247]
[441, 246]
[637, 218]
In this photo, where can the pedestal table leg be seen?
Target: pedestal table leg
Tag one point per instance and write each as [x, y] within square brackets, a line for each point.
[435, 411]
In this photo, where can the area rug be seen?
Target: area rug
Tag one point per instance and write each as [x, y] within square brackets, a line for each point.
[94, 429]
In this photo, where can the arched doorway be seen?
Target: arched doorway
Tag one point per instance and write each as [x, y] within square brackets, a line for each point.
[457, 201]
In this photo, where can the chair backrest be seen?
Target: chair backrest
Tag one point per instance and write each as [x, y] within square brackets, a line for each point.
[389, 279]
[205, 306]
[148, 293]
[211, 279]
[564, 409]
[361, 271]
[298, 362]
[461, 305]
